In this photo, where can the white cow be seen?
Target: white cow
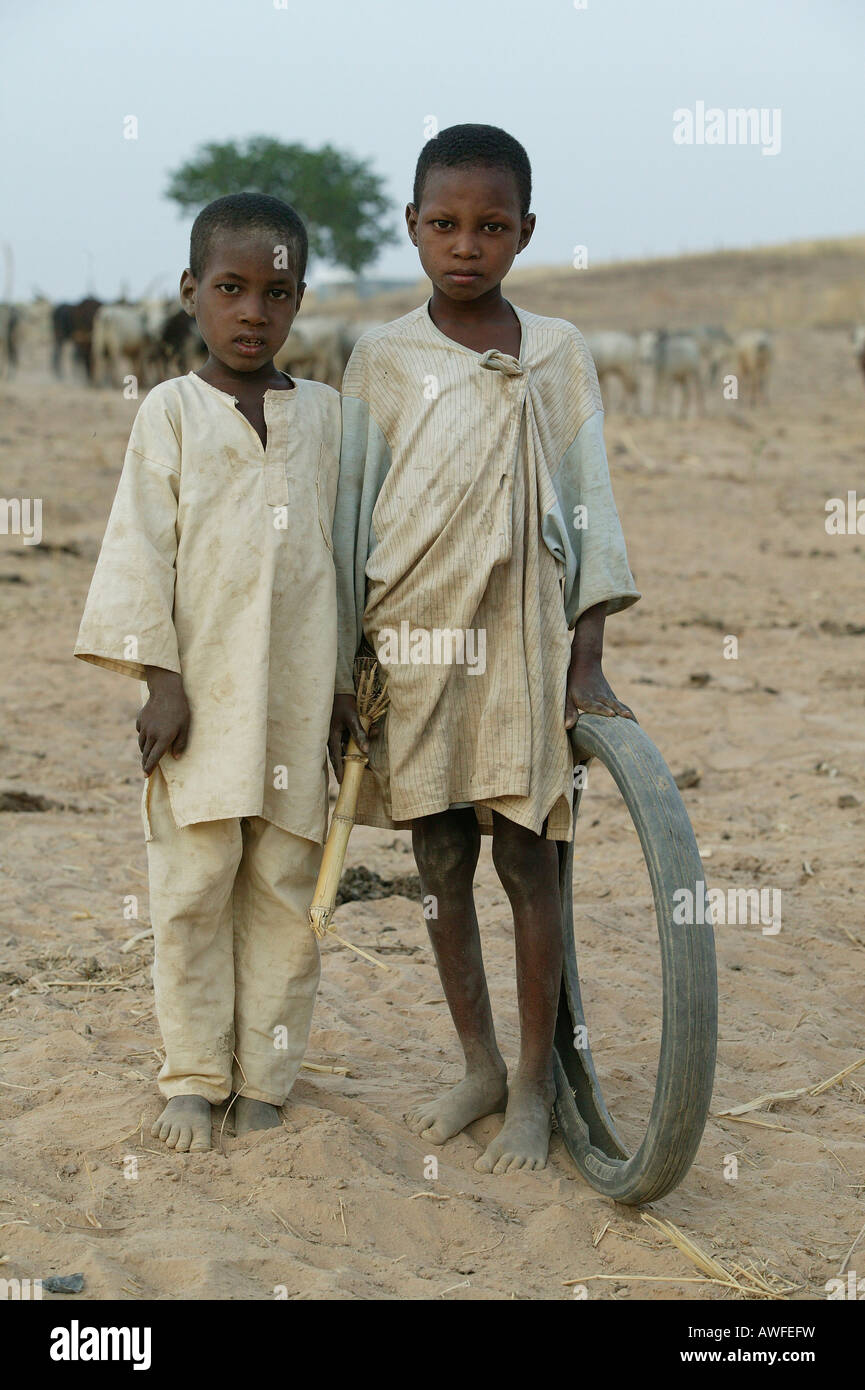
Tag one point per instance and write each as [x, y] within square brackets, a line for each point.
[676, 363]
[715, 346]
[617, 356]
[126, 340]
[753, 362]
[314, 350]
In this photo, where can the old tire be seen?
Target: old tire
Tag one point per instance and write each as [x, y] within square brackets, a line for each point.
[686, 1063]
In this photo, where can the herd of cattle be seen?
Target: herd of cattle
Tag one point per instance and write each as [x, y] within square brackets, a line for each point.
[682, 366]
[156, 339]
[656, 371]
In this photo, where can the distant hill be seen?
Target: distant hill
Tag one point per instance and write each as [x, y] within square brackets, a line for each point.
[815, 284]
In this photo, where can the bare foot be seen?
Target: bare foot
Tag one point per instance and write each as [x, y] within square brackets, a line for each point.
[523, 1141]
[254, 1114]
[184, 1124]
[481, 1092]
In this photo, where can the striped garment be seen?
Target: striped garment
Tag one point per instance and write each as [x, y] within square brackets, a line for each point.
[474, 523]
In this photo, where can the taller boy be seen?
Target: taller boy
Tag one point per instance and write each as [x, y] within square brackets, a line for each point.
[474, 499]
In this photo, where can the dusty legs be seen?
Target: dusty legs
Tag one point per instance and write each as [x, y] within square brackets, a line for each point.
[446, 848]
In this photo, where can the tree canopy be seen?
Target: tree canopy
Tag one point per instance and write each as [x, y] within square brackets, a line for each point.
[340, 198]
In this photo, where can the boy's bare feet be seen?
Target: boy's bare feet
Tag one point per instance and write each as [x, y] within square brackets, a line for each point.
[482, 1091]
[254, 1114]
[523, 1141]
[184, 1124]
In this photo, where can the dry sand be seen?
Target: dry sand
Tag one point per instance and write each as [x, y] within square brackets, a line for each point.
[725, 524]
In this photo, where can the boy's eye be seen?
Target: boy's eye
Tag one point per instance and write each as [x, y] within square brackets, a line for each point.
[494, 227]
[279, 294]
[443, 223]
[228, 287]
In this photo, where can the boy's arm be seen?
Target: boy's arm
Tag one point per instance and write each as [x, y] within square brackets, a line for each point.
[583, 530]
[363, 465]
[128, 623]
[350, 533]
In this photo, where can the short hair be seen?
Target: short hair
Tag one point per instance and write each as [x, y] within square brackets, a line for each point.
[245, 212]
[464, 145]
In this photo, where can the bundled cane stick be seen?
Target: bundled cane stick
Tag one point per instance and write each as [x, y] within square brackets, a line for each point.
[372, 701]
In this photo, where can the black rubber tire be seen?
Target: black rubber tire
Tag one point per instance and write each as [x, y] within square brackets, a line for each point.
[686, 1064]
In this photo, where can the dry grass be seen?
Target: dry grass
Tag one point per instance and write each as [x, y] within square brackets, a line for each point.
[746, 1280]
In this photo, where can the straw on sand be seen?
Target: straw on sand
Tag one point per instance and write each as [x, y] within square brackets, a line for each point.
[771, 1097]
[749, 1282]
[372, 702]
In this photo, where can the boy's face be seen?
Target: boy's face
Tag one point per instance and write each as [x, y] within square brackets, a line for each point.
[468, 229]
[243, 305]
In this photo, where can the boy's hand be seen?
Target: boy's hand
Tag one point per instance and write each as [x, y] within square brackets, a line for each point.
[345, 724]
[163, 723]
[588, 691]
[587, 685]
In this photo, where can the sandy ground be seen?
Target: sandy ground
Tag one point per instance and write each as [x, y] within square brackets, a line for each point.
[725, 523]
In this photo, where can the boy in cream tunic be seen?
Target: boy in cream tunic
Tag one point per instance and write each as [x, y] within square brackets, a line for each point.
[216, 585]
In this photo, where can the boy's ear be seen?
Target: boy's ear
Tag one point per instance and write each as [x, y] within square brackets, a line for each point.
[300, 292]
[527, 226]
[411, 216]
[188, 286]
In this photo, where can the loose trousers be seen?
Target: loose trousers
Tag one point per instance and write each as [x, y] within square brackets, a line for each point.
[236, 964]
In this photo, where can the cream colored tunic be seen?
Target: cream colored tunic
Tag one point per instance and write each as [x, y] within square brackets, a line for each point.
[217, 563]
[474, 497]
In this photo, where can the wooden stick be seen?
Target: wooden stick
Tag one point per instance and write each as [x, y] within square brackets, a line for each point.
[324, 900]
[372, 702]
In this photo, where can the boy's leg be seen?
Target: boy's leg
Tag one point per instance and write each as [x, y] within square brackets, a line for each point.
[192, 873]
[528, 867]
[446, 848]
[277, 968]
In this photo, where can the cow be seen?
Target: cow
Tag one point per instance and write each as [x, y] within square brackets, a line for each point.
[126, 341]
[616, 357]
[73, 323]
[753, 351]
[715, 345]
[675, 362]
[314, 349]
[180, 347]
[10, 322]
[857, 337]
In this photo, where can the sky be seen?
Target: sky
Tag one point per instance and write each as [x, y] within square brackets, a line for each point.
[590, 88]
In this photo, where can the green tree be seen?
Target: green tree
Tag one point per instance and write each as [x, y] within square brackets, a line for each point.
[340, 198]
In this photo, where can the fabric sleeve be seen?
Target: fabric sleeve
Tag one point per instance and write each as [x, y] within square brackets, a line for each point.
[583, 529]
[128, 619]
[363, 465]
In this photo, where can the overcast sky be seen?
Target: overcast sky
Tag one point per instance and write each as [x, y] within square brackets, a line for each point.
[590, 92]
